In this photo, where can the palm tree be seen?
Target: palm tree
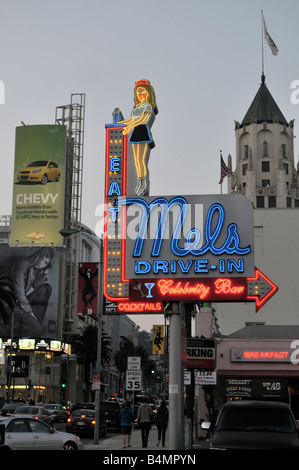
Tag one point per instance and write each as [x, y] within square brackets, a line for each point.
[128, 348]
[7, 297]
[85, 344]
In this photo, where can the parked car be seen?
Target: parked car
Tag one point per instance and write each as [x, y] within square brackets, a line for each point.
[9, 408]
[22, 433]
[83, 422]
[109, 411]
[254, 425]
[57, 410]
[39, 171]
[37, 412]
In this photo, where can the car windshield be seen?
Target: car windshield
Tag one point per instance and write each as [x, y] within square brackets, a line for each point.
[86, 413]
[39, 163]
[256, 419]
[30, 410]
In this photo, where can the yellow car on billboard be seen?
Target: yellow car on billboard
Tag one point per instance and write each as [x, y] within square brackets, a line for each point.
[39, 171]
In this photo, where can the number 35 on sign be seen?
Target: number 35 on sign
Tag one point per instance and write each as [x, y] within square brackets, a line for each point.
[133, 380]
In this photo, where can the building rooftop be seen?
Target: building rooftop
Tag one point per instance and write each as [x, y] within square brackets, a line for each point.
[263, 108]
[263, 331]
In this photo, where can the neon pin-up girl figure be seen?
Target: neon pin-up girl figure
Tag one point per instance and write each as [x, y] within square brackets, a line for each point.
[139, 124]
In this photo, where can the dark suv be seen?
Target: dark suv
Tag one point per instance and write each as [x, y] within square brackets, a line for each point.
[254, 425]
[109, 411]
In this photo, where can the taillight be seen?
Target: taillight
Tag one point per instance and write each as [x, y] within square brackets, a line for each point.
[93, 421]
[35, 417]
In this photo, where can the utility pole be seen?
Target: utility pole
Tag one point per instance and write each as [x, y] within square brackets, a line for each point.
[99, 346]
[175, 378]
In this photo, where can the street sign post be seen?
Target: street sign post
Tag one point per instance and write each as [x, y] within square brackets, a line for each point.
[134, 363]
[133, 380]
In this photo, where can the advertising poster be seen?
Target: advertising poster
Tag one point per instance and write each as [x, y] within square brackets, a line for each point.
[158, 339]
[35, 278]
[88, 289]
[39, 185]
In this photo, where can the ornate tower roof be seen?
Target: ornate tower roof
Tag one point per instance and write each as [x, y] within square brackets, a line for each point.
[263, 108]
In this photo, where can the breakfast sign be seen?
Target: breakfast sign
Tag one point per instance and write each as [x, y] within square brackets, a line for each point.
[170, 248]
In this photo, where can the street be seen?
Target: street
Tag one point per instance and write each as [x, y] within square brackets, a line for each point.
[113, 441]
[88, 440]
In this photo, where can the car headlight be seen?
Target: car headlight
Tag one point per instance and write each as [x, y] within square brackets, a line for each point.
[36, 171]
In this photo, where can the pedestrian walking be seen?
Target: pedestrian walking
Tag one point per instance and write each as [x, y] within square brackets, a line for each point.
[162, 422]
[144, 420]
[126, 422]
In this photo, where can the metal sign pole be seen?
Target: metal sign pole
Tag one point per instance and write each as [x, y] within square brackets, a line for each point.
[175, 424]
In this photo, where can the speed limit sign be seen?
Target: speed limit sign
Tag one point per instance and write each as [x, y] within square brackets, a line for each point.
[133, 380]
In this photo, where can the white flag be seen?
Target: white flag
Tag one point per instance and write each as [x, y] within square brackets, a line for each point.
[269, 40]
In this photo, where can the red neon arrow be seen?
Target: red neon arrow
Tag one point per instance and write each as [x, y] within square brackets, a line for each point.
[260, 289]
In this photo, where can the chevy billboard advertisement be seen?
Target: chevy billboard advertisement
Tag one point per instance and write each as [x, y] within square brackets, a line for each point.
[35, 278]
[39, 185]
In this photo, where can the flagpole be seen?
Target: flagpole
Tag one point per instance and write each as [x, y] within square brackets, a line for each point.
[262, 27]
[220, 173]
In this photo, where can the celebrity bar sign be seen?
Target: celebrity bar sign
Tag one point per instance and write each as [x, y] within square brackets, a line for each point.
[170, 248]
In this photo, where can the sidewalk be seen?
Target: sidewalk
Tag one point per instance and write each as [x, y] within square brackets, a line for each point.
[116, 442]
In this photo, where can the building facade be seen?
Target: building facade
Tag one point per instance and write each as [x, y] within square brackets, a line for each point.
[43, 365]
[256, 352]
[266, 174]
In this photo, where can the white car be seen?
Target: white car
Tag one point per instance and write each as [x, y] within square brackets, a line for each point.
[57, 410]
[22, 433]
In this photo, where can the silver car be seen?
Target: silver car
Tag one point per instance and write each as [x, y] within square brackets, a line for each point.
[57, 411]
[23, 433]
[37, 412]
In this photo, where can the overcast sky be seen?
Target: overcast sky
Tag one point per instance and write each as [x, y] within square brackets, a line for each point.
[204, 60]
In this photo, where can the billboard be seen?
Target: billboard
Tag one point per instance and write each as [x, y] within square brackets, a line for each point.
[39, 185]
[35, 277]
[88, 289]
[158, 339]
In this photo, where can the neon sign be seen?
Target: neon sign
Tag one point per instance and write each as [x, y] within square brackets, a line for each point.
[221, 289]
[139, 307]
[138, 127]
[261, 355]
[230, 246]
[170, 248]
[168, 241]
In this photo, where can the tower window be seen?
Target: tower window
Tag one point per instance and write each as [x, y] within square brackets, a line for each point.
[286, 167]
[284, 151]
[265, 148]
[265, 167]
[260, 202]
[265, 183]
[245, 151]
[289, 202]
[244, 169]
[272, 201]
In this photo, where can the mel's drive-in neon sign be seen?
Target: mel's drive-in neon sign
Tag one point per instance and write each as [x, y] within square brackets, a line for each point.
[164, 248]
